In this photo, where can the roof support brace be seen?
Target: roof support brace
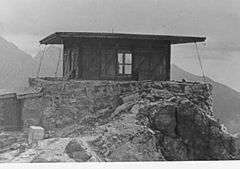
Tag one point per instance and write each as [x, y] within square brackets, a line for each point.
[58, 62]
[200, 62]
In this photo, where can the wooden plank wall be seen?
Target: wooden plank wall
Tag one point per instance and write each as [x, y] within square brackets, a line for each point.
[91, 60]
[71, 60]
[94, 59]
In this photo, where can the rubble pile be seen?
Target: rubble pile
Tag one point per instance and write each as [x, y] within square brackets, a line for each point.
[8, 138]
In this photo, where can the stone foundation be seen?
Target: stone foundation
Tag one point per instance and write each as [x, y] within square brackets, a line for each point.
[67, 102]
[12, 106]
[127, 121]
[57, 103]
[10, 116]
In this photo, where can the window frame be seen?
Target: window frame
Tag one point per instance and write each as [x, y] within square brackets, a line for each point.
[123, 64]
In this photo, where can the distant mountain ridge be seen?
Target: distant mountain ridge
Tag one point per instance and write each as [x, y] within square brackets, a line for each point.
[16, 66]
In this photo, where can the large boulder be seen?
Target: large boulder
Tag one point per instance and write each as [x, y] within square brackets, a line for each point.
[161, 117]
[125, 139]
[188, 132]
[76, 151]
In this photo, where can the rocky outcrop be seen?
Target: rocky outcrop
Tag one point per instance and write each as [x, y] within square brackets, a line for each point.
[185, 132]
[165, 129]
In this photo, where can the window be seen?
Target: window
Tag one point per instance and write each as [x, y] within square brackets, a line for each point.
[124, 63]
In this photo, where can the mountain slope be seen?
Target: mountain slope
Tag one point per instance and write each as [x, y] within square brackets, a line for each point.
[15, 66]
[226, 104]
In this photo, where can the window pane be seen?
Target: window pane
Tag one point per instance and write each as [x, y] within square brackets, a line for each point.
[128, 69]
[120, 58]
[128, 58]
[120, 69]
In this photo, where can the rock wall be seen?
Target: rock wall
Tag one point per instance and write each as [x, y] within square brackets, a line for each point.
[10, 112]
[129, 121]
[32, 109]
[68, 102]
[12, 106]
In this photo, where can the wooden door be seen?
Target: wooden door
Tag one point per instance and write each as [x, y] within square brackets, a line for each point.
[157, 67]
[108, 64]
[141, 64]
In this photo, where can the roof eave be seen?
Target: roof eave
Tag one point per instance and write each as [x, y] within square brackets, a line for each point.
[50, 38]
[57, 38]
[194, 40]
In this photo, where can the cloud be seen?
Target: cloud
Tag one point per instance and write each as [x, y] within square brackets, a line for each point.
[218, 20]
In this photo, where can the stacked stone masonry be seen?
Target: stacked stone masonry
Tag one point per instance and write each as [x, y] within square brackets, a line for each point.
[85, 97]
[129, 121]
[74, 100]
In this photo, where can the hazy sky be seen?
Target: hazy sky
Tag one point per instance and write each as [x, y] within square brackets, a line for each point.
[25, 22]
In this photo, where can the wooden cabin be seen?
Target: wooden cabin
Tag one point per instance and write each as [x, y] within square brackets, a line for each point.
[115, 56]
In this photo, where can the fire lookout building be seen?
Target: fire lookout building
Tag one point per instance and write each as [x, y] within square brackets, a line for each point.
[115, 56]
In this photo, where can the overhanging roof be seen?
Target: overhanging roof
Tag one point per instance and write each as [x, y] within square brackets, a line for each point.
[58, 37]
